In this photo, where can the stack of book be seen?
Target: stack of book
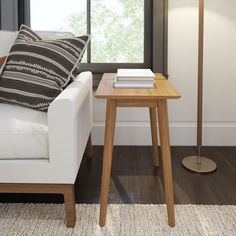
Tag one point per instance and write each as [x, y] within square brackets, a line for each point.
[134, 78]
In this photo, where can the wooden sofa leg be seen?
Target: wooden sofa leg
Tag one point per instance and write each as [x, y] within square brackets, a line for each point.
[69, 199]
[66, 189]
[89, 147]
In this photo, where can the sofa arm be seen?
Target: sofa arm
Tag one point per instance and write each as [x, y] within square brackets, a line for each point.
[69, 124]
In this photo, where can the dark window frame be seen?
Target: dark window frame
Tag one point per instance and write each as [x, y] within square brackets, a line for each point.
[23, 12]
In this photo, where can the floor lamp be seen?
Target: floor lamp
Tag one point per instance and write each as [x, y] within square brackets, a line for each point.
[198, 163]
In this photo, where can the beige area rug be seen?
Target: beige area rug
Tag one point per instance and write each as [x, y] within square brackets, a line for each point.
[133, 219]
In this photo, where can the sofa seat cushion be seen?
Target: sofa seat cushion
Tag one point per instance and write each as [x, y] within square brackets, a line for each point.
[23, 133]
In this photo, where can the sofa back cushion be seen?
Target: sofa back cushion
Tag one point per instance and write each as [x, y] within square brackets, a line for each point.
[47, 35]
[7, 38]
[38, 70]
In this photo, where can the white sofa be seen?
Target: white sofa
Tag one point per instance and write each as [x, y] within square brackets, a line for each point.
[42, 152]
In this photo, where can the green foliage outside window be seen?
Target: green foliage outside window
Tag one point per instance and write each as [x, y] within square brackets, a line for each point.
[117, 33]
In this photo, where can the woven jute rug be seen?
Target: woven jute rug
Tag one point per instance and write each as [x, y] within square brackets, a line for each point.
[131, 219]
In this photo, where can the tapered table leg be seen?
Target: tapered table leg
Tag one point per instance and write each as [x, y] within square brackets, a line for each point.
[166, 159]
[107, 158]
[153, 122]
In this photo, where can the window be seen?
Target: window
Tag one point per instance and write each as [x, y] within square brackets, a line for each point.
[120, 29]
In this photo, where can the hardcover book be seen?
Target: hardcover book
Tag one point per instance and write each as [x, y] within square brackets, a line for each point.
[135, 75]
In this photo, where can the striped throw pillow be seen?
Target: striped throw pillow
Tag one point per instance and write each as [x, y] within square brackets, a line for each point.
[37, 70]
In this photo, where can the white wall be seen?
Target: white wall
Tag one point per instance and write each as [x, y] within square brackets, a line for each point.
[219, 111]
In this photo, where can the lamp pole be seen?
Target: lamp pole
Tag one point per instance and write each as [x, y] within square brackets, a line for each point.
[198, 163]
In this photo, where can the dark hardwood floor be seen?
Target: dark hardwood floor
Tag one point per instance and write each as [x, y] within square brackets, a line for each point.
[135, 179]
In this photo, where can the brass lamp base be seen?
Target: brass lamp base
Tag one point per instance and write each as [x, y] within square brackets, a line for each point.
[199, 164]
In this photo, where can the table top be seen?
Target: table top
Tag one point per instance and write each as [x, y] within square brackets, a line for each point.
[162, 89]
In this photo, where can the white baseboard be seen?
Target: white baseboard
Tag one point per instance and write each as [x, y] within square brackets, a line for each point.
[181, 133]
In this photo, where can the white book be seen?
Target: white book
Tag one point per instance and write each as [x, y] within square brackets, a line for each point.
[135, 74]
[116, 81]
[135, 80]
[133, 85]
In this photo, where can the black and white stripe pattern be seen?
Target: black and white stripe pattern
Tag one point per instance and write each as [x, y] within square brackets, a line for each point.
[37, 70]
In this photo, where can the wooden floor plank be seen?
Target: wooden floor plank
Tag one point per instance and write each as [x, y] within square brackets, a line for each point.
[135, 179]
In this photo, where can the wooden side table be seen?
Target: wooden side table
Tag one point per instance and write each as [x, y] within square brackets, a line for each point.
[152, 98]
